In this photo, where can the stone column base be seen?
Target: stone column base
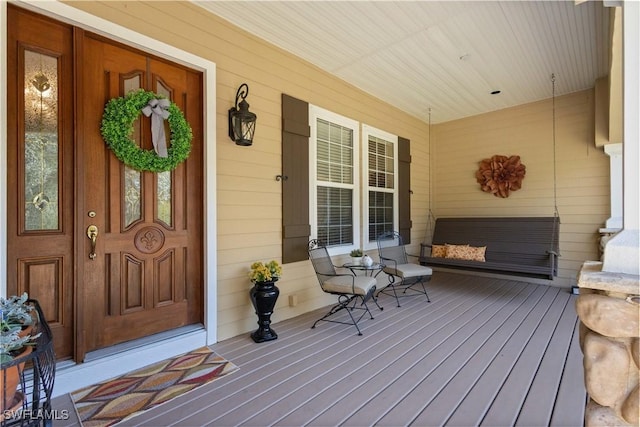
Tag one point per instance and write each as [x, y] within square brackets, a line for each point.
[609, 312]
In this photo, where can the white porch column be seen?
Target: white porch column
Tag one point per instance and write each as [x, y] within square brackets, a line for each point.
[613, 225]
[622, 253]
[614, 151]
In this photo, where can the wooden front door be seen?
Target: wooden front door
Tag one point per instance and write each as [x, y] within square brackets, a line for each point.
[147, 273]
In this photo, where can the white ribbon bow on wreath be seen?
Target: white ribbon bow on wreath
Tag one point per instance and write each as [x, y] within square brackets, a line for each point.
[158, 109]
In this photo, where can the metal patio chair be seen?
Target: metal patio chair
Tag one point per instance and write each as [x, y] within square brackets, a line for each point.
[402, 274]
[352, 291]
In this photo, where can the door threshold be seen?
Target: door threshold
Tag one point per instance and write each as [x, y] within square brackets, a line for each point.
[117, 360]
[140, 342]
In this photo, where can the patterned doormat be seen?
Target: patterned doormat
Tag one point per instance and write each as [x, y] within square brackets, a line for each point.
[121, 398]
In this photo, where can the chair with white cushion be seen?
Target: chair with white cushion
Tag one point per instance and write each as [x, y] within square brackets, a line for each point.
[402, 274]
[352, 291]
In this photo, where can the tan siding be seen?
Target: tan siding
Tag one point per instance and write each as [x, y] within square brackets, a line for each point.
[249, 198]
[582, 171]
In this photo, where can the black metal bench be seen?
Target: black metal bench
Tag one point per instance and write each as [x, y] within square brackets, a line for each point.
[522, 246]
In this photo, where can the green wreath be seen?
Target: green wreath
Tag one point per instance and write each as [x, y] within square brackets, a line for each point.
[117, 127]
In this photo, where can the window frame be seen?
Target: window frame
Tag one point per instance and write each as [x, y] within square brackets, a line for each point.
[368, 131]
[316, 113]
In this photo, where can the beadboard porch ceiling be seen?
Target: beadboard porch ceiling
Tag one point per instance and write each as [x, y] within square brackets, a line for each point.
[447, 56]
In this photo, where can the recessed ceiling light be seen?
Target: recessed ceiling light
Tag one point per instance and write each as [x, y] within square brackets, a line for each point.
[495, 92]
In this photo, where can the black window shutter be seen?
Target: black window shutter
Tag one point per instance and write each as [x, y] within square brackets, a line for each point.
[404, 189]
[295, 184]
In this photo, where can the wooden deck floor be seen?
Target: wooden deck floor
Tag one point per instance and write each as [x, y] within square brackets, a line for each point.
[484, 352]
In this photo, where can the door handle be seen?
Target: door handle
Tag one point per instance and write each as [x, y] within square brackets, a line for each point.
[92, 234]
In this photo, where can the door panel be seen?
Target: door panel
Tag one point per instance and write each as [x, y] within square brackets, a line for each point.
[39, 163]
[147, 276]
[147, 271]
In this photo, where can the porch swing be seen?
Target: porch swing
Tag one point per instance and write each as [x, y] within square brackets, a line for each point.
[519, 246]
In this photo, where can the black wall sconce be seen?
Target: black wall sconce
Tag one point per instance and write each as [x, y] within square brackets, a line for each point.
[242, 122]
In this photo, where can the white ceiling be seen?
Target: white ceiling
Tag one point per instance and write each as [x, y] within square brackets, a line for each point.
[443, 55]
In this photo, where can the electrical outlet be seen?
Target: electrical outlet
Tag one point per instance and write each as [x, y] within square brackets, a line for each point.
[293, 300]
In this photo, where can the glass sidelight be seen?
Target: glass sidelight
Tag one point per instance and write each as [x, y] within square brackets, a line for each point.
[41, 147]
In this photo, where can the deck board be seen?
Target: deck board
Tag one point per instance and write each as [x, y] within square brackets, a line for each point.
[539, 405]
[484, 351]
[413, 350]
[402, 351]
[456, 369]
[479, 399]
[571, 399]
[513, 394]
[446, 403]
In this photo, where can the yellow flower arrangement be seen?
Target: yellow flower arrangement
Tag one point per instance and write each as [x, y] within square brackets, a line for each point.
[261, 272]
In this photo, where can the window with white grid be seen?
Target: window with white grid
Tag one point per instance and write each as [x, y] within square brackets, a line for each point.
[381, 182]
[334, 180]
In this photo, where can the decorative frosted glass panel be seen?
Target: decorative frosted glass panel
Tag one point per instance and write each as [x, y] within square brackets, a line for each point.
[164, 197]
[41, 159]
[133, 178]
[132, 196]
[163, 190]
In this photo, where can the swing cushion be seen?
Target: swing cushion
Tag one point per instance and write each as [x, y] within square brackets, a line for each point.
[439, 251]
[471, 253]
[522, 246]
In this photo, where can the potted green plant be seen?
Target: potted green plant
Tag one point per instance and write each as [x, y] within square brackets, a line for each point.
[16, 341]
[264, 295]
[13, 345]
[17, 313]
[356, 256]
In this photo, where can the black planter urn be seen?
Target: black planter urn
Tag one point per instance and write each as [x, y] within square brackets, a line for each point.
[263, 297]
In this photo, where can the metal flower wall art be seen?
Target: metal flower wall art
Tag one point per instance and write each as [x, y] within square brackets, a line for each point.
[500, 175]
